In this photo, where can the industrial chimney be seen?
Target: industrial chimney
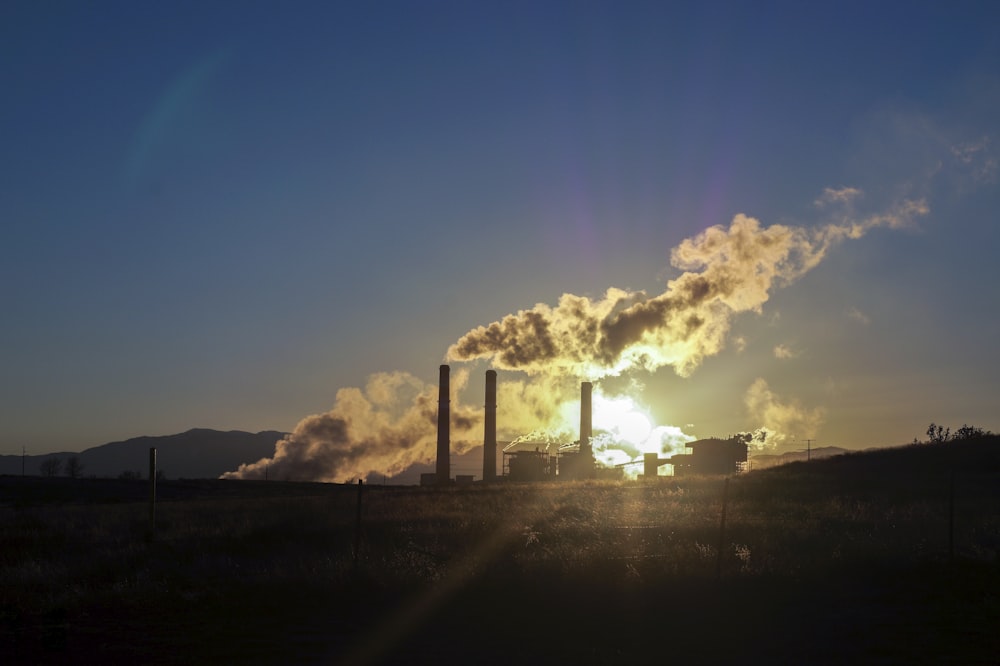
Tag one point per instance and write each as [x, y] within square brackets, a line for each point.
[490, 434]
[444, 432]
[586, 452]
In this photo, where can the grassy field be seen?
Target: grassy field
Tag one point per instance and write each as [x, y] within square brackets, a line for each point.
[883, 557]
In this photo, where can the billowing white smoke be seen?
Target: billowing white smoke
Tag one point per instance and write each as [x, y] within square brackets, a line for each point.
[727, 270]
[389, 426]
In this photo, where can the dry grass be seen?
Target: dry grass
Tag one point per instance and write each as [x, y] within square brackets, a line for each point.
[251, 578]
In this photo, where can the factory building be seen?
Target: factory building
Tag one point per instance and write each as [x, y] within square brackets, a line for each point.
[711, 456]
[534, 461]
[529, 464]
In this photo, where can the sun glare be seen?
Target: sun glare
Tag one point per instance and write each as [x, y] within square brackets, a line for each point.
[623, 431]
[622, 419]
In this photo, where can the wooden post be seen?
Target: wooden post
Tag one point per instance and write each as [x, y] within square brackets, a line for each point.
[951, 518]
[152, 491]
[357, 528]
[722, 530]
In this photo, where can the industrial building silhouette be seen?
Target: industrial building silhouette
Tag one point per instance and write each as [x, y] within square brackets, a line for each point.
[524, 463]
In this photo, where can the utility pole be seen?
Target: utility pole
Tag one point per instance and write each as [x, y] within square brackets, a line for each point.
[808, 447]
[23, 453]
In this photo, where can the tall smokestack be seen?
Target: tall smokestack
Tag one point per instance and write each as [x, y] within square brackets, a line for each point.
[490, 434]
[444, 432]
[586, 452]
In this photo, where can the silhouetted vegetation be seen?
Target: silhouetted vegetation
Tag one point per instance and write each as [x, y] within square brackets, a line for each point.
[834, 561]
[74, 468]
[937, 434]
[50, 466]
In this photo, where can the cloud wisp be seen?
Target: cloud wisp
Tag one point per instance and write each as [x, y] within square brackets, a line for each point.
[785, 352]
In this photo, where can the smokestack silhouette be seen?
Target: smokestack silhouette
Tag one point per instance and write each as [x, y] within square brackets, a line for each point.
[490, 429]
[586, 452]
[444, 432]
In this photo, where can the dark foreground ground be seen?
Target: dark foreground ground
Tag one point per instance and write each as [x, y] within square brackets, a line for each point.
[820, 565]
[936, 615]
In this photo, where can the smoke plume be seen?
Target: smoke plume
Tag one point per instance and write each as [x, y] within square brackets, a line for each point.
[782, 419]
[727, 271]
[389, 426]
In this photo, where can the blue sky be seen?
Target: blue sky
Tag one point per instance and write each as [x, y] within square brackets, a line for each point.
[221, 214]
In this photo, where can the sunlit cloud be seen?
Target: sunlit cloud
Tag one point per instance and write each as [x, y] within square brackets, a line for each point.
[977, 158]
[834, 387]
[784, 352]
[857, 315]
[900, 215]
[785, 419]
[842, 196]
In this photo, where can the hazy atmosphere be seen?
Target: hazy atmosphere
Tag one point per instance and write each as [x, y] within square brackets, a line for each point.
[729, 216]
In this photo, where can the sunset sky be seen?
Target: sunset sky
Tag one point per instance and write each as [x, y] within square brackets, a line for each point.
[222, 214]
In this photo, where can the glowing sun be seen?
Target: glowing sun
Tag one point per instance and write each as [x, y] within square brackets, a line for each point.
[623, 419]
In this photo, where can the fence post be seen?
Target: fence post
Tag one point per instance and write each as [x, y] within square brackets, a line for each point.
[951, 518]
[152, 491]
[722, 530]
[357, 528]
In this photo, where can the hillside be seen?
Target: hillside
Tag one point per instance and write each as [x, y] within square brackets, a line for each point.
[902, 465]
[199, 453]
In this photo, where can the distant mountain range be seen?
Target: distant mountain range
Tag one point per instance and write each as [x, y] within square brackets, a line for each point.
[196, 454]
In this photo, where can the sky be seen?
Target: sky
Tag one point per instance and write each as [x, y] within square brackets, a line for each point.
[261, 215]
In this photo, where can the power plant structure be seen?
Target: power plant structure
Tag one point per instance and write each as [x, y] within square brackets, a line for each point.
[708, 456]
[539, 464]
